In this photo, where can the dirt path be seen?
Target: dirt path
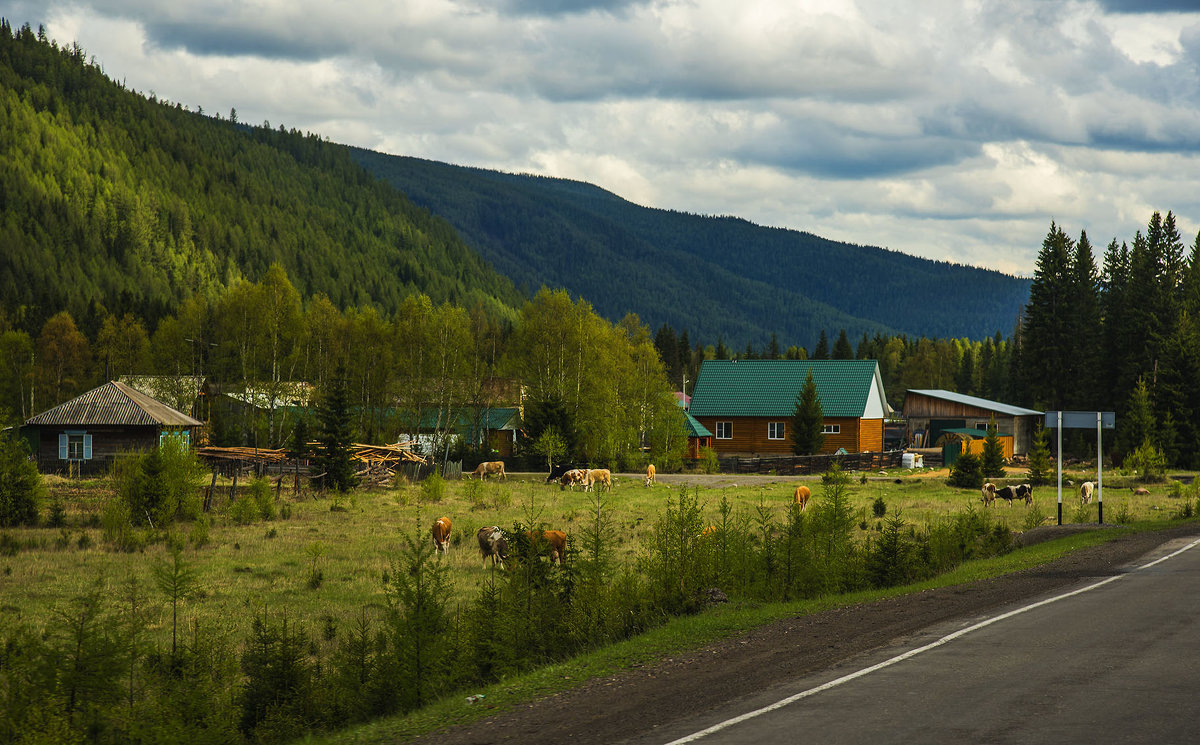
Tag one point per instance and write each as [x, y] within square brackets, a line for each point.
[610, 709]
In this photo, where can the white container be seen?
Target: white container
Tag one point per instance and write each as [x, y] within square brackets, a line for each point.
[907, 460]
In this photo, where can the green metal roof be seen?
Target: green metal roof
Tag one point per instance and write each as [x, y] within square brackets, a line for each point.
[770, 387]
[695, 428]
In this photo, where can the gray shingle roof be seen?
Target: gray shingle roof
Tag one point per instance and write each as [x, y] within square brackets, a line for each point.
[980, 403]
[114, 404]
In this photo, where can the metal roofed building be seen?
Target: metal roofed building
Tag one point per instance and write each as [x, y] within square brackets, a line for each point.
[85, 434]
[748, 404]
[931, 413]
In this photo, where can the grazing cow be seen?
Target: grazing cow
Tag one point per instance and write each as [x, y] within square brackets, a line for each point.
[575, 477]
[1008, 493]
[490, 468]
[710, 530]
[441, 534]
[989, 494]
[492, 544]
[599, 477]
[1141, 491]
[556, 472]
[650, 474]
[556, 540]
[801, 496]
[1085, 492]
[1025, 491]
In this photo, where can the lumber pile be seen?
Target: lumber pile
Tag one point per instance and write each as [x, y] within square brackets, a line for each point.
[258, 455]
[378, 463]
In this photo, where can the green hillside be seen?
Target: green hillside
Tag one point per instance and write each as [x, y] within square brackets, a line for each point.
[712, 275]
[111, 198]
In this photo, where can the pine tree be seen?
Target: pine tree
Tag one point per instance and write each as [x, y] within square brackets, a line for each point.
[992, 462]
[1047, 342]
[334, 415]
[822, 351]
[841, 348]
[1083, 365]
[1040, 463]
[964, 381]
[808, 420]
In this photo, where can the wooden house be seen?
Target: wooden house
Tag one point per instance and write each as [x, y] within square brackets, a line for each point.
[932, 413]
[86, 433]
[748, 404]
[698, 435]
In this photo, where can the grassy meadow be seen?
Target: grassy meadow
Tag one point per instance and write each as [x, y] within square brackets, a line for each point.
[326, 560]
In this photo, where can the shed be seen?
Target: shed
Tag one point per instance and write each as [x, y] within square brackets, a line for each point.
[930, 413]
[85, 434]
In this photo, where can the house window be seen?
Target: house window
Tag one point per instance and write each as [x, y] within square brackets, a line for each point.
[831, 429]
[775, 430]
[724, 430]
[74, 445]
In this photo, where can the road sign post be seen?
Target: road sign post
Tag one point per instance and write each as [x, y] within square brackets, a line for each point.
[1101, 420]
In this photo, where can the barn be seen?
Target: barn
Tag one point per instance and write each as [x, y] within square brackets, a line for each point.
[748, 404]
[932, 413]
[84, 435]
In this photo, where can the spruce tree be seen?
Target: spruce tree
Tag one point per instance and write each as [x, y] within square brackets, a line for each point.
[992, 462]
[808, 420]
[334, 415]
[1040, 463]
[1082, 385]
[841, 348]
[822, 351]
[1047, 333]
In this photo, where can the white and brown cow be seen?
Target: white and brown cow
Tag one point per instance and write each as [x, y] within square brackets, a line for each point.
[650, 473]
[490, 468]
[441, 534]
[801, 496]
[492, 544]
[989, 494]
[555, 541]
[575, 477]
[1085, 492]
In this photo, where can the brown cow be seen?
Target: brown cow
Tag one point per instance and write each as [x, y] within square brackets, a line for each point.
[490, 468]
[650, 474]
[555, 539]
[492, 544]
[801, 496]
[441, 534]
[599, 477]
[1141, 491]
[989, 494]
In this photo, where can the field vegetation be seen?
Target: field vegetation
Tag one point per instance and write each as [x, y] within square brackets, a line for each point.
[277, 614]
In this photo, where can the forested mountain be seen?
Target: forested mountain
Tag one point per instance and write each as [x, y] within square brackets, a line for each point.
[109, 198]
[715, 276]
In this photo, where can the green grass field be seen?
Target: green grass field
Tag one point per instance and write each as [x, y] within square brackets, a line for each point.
[270, 566]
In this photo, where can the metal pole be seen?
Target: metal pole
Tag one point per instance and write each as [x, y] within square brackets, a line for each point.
[1060, 467]
[1099, 467]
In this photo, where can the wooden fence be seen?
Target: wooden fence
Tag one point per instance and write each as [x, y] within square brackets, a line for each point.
[791, 465]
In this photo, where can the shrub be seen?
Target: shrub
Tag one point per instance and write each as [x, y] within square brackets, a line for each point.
[243, 511]
[879, 507]
[708, 461]
[433, 488]
[21, 488]
[1148, 462]
[967, 472]
[260, 492]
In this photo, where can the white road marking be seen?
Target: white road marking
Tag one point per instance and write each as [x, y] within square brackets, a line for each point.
[914, 652]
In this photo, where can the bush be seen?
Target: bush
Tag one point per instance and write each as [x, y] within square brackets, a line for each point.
[433, 488]
[1147, 462]
[879, 507]
[243, 511]
[260, 492]
[967, 472]
[21, 488]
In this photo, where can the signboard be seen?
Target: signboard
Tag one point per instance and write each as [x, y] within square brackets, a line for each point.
[1081, 419]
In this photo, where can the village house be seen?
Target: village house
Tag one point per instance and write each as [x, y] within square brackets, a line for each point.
[748, 404]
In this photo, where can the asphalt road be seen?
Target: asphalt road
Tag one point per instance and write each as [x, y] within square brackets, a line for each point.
[1115, 663]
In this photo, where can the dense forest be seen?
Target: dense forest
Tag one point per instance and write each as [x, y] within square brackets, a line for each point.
[112, 201]
[1120, 337]
[717, 276]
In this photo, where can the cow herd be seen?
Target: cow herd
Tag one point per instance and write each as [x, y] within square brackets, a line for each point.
[493, 542]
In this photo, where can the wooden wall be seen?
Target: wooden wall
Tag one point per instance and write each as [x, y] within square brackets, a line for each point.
[750, 435]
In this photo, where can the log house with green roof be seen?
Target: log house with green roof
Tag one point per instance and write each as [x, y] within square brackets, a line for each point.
[748, 404]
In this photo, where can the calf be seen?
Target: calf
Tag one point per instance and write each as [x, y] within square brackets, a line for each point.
[650, 474]
[1025, 491]
[490, 468]
[492, 544]
[989, 494]
[1085, 492]
[441, 534]
[801, 496]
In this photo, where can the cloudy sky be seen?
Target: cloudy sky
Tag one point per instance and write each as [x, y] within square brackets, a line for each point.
[950, 130]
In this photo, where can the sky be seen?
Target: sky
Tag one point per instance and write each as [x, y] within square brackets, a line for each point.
[951, 130]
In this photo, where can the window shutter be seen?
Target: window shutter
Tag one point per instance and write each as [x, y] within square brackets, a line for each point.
[87, 447]
[62, 446]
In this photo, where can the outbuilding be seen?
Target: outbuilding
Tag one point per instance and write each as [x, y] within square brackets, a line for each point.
[932, 413]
